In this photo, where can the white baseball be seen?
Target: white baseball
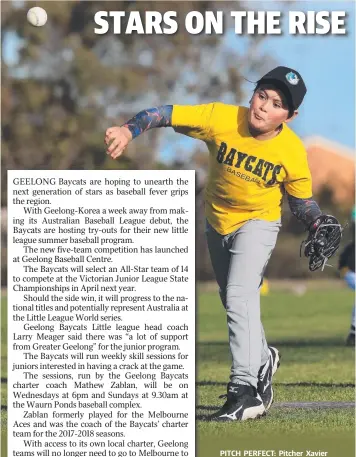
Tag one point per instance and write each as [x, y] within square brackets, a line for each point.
[37, 16]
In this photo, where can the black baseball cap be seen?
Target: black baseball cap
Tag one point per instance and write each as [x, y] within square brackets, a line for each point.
[290, 82]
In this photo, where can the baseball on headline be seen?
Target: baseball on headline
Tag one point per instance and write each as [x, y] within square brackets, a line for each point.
[37, 16]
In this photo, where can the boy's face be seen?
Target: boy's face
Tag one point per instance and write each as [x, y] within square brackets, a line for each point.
[268, 109]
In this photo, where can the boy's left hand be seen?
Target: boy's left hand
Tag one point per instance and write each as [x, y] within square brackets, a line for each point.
[323, 241]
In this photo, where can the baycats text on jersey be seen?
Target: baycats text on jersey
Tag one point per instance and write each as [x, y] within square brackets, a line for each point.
[268, 171]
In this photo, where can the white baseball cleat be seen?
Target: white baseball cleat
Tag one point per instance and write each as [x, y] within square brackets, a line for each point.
[242, 403]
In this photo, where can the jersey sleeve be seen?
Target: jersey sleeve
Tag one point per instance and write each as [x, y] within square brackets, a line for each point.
[193, 120]
[298, 181]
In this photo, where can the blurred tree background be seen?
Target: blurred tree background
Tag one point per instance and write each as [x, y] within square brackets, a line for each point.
[66, 86]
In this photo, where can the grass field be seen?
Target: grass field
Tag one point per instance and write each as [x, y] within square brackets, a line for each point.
[310, 332]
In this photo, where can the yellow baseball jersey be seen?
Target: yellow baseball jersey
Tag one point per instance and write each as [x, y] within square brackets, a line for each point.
[247, 177]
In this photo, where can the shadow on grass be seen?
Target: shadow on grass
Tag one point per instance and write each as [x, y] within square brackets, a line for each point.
[3, 407]
[284, 384]
[306, 351]
[295, 343]
[206, 418]
[207, 408]
[200, 417]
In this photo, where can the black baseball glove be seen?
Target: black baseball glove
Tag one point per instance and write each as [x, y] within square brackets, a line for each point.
[323, 241]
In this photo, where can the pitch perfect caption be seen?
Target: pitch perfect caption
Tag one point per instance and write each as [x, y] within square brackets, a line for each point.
[272, 453]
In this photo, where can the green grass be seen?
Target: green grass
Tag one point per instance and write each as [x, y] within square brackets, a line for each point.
[316, 366]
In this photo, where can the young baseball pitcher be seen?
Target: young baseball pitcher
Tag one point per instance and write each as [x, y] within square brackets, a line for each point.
[254, 160]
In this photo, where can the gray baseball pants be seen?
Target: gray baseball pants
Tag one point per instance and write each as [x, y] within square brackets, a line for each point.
[239, 260]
